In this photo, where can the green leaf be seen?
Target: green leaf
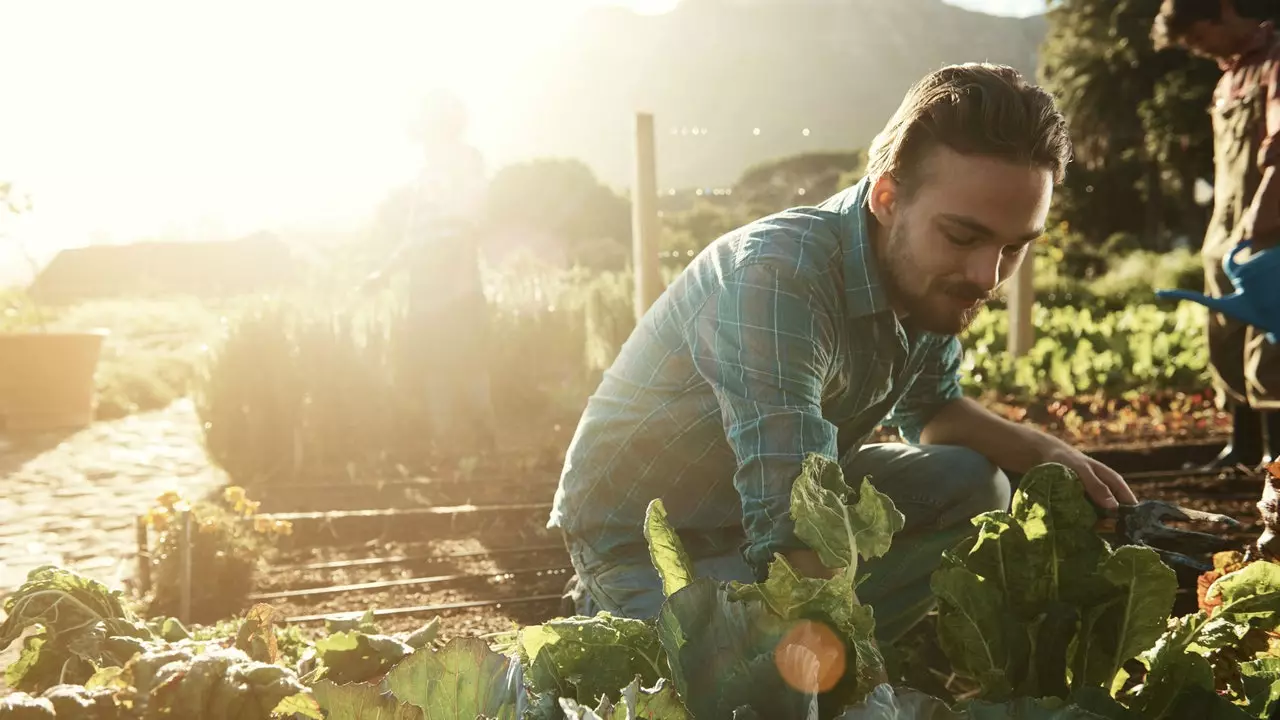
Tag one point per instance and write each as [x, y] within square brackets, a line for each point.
[1171, 672]
[585, 658]
[974, 630]
[838, 533]
[1251, 591]
[1129, 623]
[659, 702]
[795, 597]
[1063, 550]
[668, 554]
[721, 654]
[998, 554]
[424, 635]
[300, 704]
[1261, 681]
[458, 682]
[359, 701]
[353, 656]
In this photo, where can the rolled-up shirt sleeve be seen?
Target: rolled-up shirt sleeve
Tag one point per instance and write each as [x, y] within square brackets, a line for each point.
[937, 384]
[764, 342]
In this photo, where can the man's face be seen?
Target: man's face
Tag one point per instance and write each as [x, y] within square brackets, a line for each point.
[964, 232]
[1209, 39]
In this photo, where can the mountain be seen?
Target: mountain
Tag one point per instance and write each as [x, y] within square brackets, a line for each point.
[836, 67]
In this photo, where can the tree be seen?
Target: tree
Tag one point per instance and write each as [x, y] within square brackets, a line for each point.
[803, 179]
[1139, 119]
[563, 199]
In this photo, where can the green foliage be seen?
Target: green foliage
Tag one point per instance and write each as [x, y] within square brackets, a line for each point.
[1138, 119]
[886, 702]
[1080, 351]
[587, 658]
[1037, 597]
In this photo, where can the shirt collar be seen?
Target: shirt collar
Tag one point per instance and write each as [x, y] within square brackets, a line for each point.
[864, 294]
[1260, 41]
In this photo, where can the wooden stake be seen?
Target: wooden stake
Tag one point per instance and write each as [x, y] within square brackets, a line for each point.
[143, 569]
[644, 217]
[184, 613]
[1021, 298]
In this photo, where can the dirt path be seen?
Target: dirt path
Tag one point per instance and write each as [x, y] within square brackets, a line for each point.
[72, 499]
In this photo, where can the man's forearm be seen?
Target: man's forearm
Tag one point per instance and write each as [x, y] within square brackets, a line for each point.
[965, 423]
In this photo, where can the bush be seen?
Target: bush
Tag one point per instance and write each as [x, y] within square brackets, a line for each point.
[226, 545]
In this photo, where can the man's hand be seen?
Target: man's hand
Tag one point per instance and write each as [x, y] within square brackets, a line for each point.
[1104, 485]
[1018, 448]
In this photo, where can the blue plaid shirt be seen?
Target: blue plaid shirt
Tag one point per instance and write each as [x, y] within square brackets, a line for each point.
[777, 341]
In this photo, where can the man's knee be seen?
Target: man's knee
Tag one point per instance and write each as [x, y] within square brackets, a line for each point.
[980, 485]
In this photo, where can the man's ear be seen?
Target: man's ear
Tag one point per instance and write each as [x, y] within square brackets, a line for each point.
[884, 199]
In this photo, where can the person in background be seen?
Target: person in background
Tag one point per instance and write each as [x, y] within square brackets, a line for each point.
[801, 333]
[447, 321]
[1246, 129]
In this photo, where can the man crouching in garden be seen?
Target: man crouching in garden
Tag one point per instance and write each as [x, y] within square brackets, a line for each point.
[801, 333]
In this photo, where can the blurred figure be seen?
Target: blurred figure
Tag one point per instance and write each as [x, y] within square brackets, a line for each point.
[1246, 127]
[447, 311]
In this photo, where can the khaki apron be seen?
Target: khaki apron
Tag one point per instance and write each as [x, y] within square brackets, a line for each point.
[1245, 368]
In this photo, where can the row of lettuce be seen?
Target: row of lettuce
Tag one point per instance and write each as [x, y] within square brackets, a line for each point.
[1045, 617]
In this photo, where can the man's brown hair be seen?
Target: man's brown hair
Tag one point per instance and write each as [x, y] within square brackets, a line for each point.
[973, 109]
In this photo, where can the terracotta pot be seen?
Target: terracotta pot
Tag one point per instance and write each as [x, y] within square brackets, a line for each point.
[47, 379]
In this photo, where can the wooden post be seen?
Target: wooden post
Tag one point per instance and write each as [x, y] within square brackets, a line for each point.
[184, 612]
[144, 557]
[1021, 297]
[644, 217]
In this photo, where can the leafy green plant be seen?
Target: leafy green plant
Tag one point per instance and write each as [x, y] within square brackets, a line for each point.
[1038, 604]
[227, 543]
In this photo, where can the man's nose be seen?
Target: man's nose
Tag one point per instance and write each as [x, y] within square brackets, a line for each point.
[987, 267]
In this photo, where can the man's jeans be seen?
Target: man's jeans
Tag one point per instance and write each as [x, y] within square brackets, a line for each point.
[937, 488]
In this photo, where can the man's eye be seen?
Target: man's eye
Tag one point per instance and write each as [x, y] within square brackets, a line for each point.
[960, 241]
[1012, 250]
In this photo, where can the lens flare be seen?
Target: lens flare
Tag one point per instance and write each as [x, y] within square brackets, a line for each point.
[810, 657]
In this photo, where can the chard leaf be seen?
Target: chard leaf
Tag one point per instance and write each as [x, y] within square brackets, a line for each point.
[837, 532]
[1261, 681]
[721, 654]
[888, 703]
[460, 681]
[301, 704]
[360, 701]
[1251, 592]
[974, 631]
[353, 656]
[1063, 549]
[659, 702]
[998, 554]
[1171, 673]
[424, 635]
[1050, 637]
[586, 658]
[257, 635]
[795, 597]
[1128, 623]
[668, 554]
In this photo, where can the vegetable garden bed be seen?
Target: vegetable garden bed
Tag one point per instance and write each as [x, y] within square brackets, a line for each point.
[1043, 617]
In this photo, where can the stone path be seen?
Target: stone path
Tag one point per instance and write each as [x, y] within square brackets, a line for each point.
[72, 500]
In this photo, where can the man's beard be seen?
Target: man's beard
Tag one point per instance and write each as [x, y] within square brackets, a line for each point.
[923, 308]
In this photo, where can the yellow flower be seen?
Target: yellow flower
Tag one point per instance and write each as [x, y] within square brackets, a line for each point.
[284, 527]
[233, 494]
[262, 525]
[251, 507]
[169, 499]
